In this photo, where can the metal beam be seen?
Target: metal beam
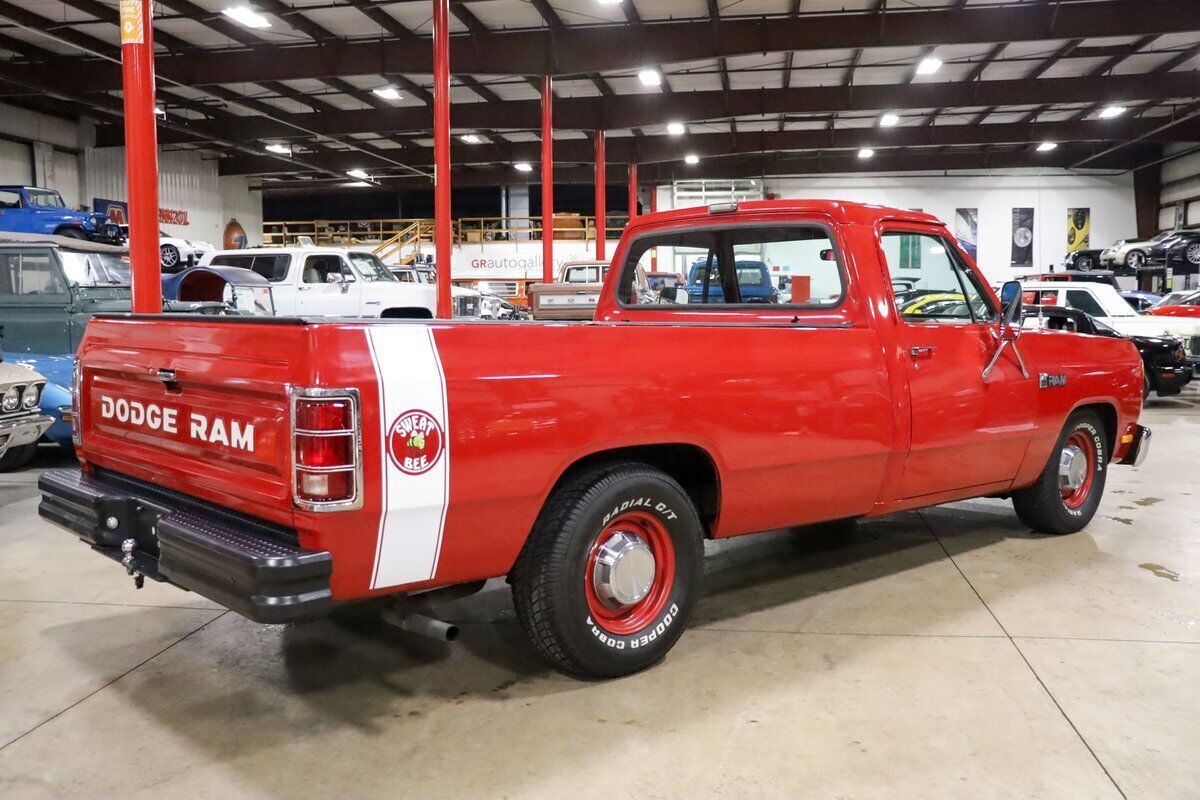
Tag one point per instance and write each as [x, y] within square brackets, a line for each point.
[633, 111]
[581, 50]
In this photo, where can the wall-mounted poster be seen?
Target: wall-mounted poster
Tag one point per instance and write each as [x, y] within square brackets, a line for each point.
[1079, 229]
[966, 230]
[1022, 237]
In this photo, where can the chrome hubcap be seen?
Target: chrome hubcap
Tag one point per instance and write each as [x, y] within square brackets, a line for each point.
[624, 570]
[1072, 468]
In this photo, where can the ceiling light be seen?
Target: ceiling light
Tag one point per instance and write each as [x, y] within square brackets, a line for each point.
[281, 149]
[691, 158]
[356, 183]
[1112, 112]
[357, 173]
[889, 120]
[523, 166]
[470, 138]
[387, 92]
[676, 128]
[929, 65]
[650, 77]
[1046, 147]
[246, 16]
[866, 152]
[610, 2]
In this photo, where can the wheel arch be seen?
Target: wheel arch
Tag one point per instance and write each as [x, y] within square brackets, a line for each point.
[1108, 415]
[690, 465]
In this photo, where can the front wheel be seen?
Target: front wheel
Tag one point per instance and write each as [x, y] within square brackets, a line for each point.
[168, 256]
[1067, 492]
[17, 457]
[1135, 260]
[609, 576]
[1084, 264]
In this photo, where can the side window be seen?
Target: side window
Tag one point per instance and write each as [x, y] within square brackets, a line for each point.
[930, 282]
[29, 273]
[273, 268]
[406, 277]
[10, 199]
[1083, 300]
[791, 265]
[322, 269]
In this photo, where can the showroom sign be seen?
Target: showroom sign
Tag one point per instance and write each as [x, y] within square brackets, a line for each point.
[516, 260]
[118, 212]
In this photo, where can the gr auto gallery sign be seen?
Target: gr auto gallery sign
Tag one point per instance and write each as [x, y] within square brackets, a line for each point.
[519, 260]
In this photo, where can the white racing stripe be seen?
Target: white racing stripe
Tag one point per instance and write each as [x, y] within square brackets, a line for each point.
[409, 373]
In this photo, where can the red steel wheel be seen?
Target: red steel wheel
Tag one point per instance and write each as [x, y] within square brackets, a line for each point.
[1076, 468]
[630, 572]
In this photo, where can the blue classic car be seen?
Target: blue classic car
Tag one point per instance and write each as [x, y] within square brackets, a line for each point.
[754, 283]
[27, 209]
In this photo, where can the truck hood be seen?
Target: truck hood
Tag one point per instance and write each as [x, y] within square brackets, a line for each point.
[405, 294]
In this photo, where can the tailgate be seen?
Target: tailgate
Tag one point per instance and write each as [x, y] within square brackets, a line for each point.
[198, 405]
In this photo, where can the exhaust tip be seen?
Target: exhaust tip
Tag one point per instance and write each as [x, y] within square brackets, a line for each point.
[451, 633]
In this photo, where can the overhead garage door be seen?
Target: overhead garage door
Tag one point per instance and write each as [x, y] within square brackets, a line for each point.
[16, 162]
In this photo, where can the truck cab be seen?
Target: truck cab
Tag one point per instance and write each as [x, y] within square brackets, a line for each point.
[29, 209]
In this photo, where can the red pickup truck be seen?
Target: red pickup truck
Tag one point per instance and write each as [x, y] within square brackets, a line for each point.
[283, 466]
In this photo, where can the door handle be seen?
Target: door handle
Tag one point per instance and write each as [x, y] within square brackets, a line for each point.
[922, 351]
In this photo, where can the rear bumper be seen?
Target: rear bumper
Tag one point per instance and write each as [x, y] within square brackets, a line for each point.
[1170, 380]
[1139, 448]
[246, 565]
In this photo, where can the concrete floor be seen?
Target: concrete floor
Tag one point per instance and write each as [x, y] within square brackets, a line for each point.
[948, 653]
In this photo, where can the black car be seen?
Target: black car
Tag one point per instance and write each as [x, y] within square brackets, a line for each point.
[1083, 260]
[1165, 367]
[1183, 256]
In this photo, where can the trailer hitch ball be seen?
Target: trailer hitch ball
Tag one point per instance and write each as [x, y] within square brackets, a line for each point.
[127, 547]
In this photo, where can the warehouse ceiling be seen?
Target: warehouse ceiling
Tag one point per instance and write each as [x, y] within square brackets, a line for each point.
[759, 86]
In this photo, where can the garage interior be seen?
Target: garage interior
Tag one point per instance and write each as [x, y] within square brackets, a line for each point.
[947, 652]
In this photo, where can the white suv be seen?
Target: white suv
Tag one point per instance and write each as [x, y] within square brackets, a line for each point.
[337, 282]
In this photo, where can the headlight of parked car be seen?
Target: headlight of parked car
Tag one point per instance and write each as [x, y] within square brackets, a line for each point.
[11, 400]
[31, 395]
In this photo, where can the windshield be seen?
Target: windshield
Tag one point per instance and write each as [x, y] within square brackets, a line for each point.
[45, 199]
[95, 269]
[371, 268]
[1162, 236]
[426, 276]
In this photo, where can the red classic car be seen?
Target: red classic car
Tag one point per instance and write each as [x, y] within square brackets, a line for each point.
[279, 466]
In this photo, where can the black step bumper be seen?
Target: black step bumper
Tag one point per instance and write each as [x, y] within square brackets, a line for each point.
[247, 565]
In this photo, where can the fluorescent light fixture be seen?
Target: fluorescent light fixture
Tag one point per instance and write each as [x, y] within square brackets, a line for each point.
[387, 92]
[1046, 147]
[358, 173]
[676, 128]
[281, 149]
[610, 2]
[356, 183]
[523, 166]
[650, 77]
[691, 158]
[929, 65]
[247, 16]
[866, 152]
[889, 120]
[470, 138]
[1112, 111]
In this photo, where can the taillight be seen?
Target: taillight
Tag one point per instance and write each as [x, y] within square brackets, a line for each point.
[326, 451]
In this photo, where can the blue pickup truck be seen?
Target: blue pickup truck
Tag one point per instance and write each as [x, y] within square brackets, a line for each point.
[753, 277]
[28, 209]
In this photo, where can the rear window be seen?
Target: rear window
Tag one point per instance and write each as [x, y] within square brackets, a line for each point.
[794, 266]
[273, 267]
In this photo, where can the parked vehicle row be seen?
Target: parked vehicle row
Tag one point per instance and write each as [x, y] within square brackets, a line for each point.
[1178, 249]
[30, 209]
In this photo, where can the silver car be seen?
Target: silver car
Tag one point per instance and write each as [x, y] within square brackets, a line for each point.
[21, 424]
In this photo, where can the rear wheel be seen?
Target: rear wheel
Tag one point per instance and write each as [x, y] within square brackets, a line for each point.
[1067, 492]
[1135, 260]
[17, 457]
[1084, 263]
[609, 576]
[1192, 254]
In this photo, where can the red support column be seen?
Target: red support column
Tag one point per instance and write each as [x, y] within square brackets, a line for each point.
[141, 153]
[441, 155]
[547, 179]
[601, 198]
[633, 194]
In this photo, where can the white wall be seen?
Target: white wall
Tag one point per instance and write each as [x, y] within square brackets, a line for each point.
[1050, 195]
[187, 181]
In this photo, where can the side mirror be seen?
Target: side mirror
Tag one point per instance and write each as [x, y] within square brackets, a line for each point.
[1010, 304]
[333, 277]
[827, 254]
[681, 296]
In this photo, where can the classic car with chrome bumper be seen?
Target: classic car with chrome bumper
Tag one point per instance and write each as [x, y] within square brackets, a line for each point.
[22, 431]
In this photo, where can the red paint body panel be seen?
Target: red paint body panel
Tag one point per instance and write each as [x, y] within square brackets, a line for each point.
[1175, 311]
[805, 416]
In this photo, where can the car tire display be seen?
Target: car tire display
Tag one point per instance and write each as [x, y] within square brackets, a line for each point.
[1067, 492]
[611, 571]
